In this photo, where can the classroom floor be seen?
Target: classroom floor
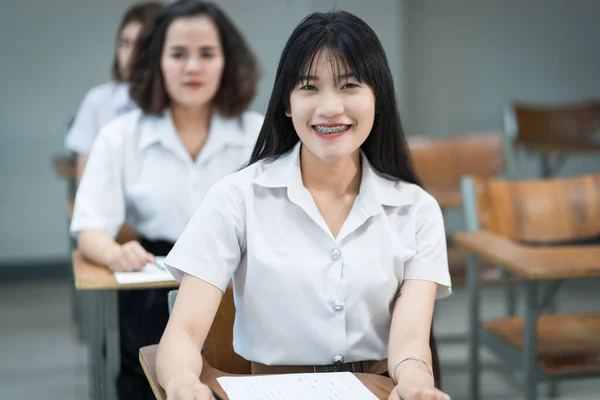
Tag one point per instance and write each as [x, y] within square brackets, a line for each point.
[41, 356]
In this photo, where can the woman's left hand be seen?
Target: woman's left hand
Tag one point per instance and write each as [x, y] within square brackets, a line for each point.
[416, 384]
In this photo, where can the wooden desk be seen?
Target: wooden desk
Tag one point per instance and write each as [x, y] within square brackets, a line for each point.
[90, 276]
[528, 262]
[64, 166]
[102, 320]
[546, 347]
[379, 385]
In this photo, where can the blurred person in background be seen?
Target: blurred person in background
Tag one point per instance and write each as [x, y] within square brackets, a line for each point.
[104, 102]
[193, 78]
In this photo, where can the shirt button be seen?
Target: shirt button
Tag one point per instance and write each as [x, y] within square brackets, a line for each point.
[337, 306]
[337, 360]
[335, 254]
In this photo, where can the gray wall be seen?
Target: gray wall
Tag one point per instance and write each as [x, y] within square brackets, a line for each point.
[466, 59]
[54, 51]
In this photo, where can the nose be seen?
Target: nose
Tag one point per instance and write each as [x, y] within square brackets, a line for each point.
[193, 65]
[330, 105]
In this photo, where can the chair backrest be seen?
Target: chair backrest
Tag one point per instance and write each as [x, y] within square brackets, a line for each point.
[441, 162]
[541, 211]
[560, 123]
[171, 296]
[218, 346]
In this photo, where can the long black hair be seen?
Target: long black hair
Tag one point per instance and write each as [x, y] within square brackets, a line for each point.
[353, 43]
[349, 39]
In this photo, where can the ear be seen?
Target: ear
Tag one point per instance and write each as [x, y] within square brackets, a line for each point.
[288, 113]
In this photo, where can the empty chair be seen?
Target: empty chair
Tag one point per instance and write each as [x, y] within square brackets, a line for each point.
[543, 232]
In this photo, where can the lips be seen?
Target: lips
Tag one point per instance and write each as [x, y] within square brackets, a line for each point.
[193, 84]
[331, 129]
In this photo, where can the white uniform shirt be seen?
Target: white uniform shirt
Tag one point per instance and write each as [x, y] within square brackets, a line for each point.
[139, 172]
[302, 296]
[99, 106]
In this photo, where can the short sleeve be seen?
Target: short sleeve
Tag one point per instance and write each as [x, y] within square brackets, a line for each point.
[100, 199]
[430, 261]
[85, 127]
[210, 247]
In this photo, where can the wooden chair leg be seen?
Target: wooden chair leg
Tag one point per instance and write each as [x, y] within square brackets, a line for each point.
[530, 361]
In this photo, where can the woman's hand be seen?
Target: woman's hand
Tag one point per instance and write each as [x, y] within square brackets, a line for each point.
[416, 383]
[188, 387]
[189, 390]
[128, 257]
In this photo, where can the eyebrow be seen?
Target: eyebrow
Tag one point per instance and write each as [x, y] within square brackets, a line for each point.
[182, 47]
[304, 78]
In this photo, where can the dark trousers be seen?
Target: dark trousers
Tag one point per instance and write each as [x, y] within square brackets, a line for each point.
[143, 316]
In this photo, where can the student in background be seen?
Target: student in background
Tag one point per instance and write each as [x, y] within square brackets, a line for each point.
[193, 78]
[111, 99]
[336, 253]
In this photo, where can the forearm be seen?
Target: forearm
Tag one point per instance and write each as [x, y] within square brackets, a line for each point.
[178, 358]
[410, 330]
[96, 246]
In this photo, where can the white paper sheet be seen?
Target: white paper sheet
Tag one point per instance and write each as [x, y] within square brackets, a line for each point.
[326, 386]
[150, 273]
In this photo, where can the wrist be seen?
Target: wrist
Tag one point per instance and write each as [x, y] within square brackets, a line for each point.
[109, 252]
[180, 380]
[414, 375]
[411, 364]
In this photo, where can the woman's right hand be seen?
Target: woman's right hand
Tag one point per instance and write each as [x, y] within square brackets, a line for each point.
[190, 391]
[128, 257]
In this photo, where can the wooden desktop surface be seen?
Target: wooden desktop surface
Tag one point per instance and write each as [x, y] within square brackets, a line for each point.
[90, 276]
[378, 385]
[531, 262]
[64, 166]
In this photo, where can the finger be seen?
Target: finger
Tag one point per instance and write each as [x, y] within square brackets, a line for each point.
[394, 395]
[203, 393]
[132, 259]
[150, 258]
[141, 254]
[145, 256]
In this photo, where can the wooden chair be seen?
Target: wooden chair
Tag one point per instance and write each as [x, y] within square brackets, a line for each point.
[555, 130]
[218, 346]
[441, 162]
[530, 228]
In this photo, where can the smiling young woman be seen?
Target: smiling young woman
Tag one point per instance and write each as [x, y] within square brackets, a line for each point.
[336, 253]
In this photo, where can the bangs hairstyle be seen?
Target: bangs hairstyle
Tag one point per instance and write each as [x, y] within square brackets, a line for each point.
[240, 73]
[144, 14]
[353, 48]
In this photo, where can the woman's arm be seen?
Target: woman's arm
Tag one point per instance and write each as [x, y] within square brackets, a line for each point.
[100, 248]
[179, 361]
[409, 342]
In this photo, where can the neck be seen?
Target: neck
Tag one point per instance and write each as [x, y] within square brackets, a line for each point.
[339, 178]
[189, 120]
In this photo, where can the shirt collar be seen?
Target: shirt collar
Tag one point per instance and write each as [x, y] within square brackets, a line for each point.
[122, 101]
[375, 190]
[223, 132]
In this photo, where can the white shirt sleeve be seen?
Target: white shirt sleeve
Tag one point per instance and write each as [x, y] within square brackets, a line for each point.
[211, 245]
[100, 200]
[430, 263]
[85, 127]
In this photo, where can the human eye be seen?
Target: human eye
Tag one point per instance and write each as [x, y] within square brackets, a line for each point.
[307, 87]
[177, 54]
[350, 86]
